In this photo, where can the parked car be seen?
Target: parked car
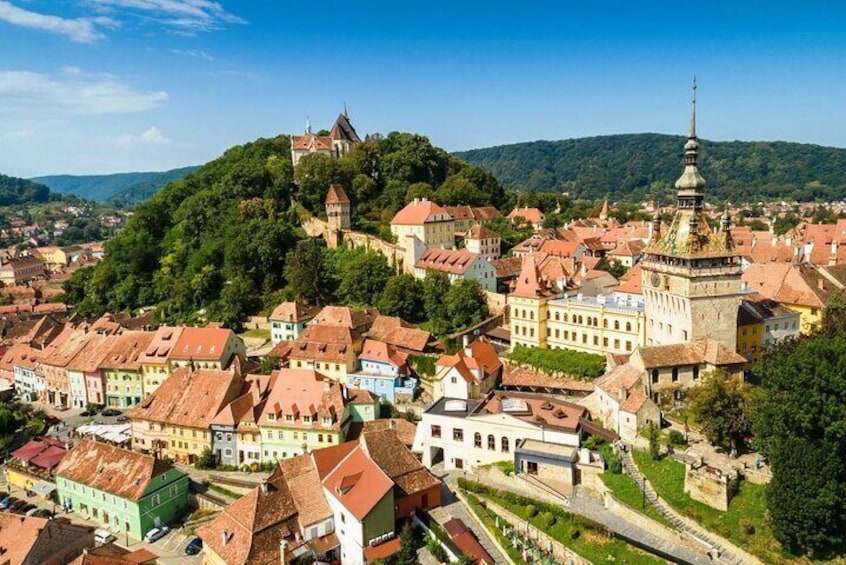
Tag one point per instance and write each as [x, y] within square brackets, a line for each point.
[122, 418]
[156, 534]
[17, 505]
[110, 412]
[32, 511]
[6, 502]
[103, 537]
[43, 513]
[194, 547]
[51, 421]
[26, 507]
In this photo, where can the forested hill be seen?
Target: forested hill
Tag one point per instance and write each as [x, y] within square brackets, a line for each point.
[213, 244]
[641, 166]
[21, 191]
[125, 188]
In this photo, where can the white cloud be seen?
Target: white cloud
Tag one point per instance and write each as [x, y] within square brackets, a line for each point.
[151, 136]
[81, 30]
[186, 16]
[198, 53]
[74, 93]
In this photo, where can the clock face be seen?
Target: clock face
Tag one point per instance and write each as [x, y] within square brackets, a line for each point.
[656, 280]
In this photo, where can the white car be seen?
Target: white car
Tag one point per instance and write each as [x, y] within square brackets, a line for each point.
[156, 534]
[103, 536]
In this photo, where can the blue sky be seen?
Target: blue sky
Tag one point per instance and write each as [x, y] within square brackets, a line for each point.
[99, 86]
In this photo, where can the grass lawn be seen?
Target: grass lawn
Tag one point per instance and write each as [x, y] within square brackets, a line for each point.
[257, 333]
[587, 538]
[744, 524]
[625, 489]
[488, 518]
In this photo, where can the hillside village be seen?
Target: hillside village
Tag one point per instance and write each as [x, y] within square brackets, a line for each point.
[328, 439]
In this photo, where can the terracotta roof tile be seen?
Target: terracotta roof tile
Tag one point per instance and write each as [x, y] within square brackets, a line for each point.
[336, 195]
[111, 469]
[419, 212]
[293, 312]
[455, 261]
[207, 343]
[358, 483]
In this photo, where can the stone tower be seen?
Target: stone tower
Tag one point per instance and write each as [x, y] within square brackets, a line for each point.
[337, 209]
[691, 275]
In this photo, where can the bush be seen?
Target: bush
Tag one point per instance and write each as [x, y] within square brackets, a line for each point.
[675, 437]
[531, 511]
[548, 519]
[436, 550]
[206, 460]
[576, 364]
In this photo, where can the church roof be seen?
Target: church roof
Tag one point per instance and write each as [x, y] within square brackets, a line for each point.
[343, 129]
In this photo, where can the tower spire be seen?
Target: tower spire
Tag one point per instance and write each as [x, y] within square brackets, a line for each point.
[692, 134]
[308, 126]
[346, 114]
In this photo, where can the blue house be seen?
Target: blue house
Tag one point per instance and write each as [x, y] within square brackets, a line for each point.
[384, 372]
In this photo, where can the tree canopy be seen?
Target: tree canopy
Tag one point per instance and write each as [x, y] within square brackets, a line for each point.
[21, 191]
[642, 166]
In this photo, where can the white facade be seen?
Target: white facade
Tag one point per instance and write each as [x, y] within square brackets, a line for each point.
[285, 331]
[78, 392]
[487, 247]
[28, 384]
[480, 269]
[479, 439]
[350, 530]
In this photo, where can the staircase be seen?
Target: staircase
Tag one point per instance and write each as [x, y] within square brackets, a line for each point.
[716, 545]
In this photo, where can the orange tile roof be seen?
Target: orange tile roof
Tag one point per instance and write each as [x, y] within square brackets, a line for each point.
[328, 458]
[162, 344]
[399, 333]
[358, 320]
[110, 469]
[18, 536]
[19, 355]
[540, 409]
[302, 392]
[397, 462]
[124, 350]
[293, 312]
[358, 483]
[695, 352]
[529, 283]
[533, 215]
[404, 429]
[559, 248]
[309, 141]
[419, 212]
[303, 480]
[207, 343]
[190, 399]
[516, 377]
[336, 195]
[381, 352]
[478, 231]
[455, 261]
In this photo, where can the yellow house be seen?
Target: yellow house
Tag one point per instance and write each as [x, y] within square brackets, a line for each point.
[761, 323]
[155, 366]
[184, 405]
[527, 306]
[750, 335]
[330, 349]
[427, 221]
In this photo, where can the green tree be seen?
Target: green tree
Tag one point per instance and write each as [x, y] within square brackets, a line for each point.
[206, 460]
[465, 304]
[363, 278]
[653, 434]
[407, 554]
[612, 267]
[799, 417]
[307, 272]
[720, 404]
[435, 288]
[313, 175]
[403, 297]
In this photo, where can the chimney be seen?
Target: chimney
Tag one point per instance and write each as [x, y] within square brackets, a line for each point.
[283, 549]
[416, 201]
[392, 424]
[224, 537]
[263, 486]
[821, 284]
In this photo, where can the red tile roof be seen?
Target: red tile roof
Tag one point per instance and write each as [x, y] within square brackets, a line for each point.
[358, 483]
[533, 215]
[162, 344]
[454, 261]
[302, 392]
[336, 195]
[529, 283]
[207, 343]
[309, 141]
[381, 352]
[293, 312]
[419, 212]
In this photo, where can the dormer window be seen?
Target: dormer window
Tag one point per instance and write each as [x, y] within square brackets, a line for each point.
[306, 419]
[271, 417]
[289, 417]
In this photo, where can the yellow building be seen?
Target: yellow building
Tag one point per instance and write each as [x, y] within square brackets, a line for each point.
[750, 335]
[427, 221]
[155, 366]
[761, 323]
[330, 349]
[539, 317]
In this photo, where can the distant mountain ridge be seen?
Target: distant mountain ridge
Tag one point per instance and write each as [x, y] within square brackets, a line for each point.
[124, 188]
[642, 166]
[15, 190]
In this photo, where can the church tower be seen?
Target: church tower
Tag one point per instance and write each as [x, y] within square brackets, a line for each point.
[691, 275]
[337, 209]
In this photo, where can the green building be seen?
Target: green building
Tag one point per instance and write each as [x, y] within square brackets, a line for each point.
[123, 490]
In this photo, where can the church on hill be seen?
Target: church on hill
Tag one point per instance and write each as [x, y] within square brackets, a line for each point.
[338, 143]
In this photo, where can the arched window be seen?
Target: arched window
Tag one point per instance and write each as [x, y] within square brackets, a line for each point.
[477, 440]
[504, 444]
[605, 324]
[491, 442]
[616, 324]
[628, 326]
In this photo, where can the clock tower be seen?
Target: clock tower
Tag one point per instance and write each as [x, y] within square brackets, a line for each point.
[691, 274]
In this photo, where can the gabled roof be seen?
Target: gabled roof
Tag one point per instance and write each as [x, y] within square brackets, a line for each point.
[336, 195]
[455, 261]
[207, 343]
[293, 312]
[358, 483]
[478, 231]
[533, 215]
[92, 354]
[110, 469]
[696, 352]
[620, 380]
[125, 349]
[418, 212]
[395, 331]
[304, 392]
[358, 320]
[381, 352]
[343, 129]
[301, 475]
[397, 462]
[162, 344]
[529, 283]
[190, 398]
[634, 402]
[311, 142]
